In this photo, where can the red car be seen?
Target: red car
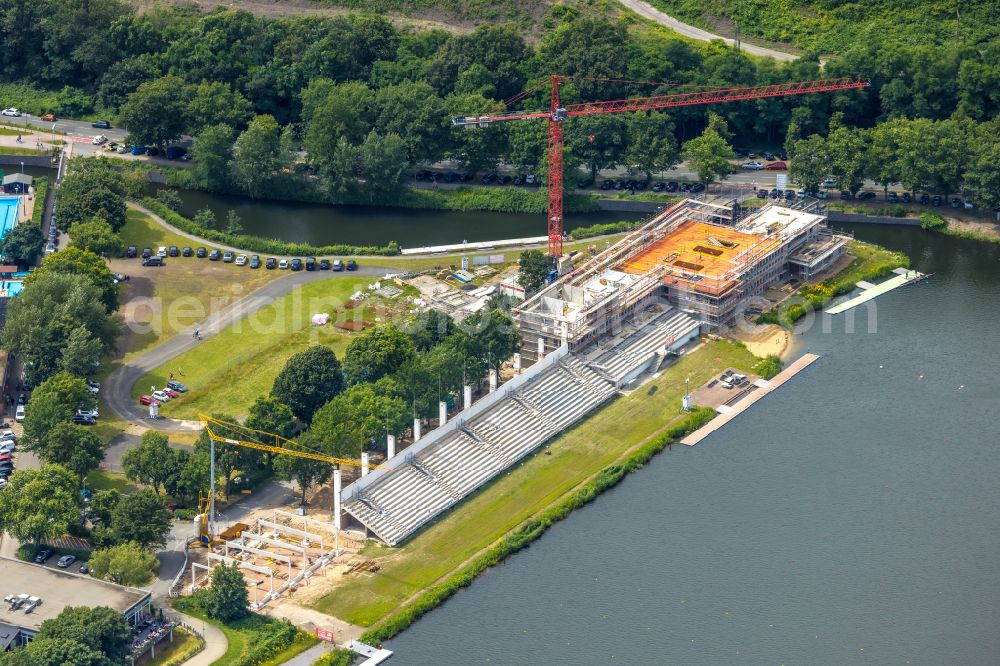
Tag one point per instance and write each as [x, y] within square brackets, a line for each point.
[146, 400]
[6, 456]
[172, 393]
[776, 166]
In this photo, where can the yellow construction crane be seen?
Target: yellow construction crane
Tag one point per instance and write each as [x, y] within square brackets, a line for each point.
[253, 439]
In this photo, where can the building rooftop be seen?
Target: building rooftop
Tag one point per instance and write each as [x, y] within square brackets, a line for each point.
[18, 178]
[58, 589]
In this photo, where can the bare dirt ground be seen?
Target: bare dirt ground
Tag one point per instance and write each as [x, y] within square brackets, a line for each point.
[762, 339]
[980, 226]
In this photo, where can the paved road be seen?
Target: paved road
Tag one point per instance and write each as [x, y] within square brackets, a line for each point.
[648, 11]
[72, 128]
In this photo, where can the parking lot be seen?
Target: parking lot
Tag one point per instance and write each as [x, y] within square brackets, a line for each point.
[714, 393]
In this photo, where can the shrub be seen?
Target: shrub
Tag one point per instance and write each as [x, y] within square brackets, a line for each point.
[337, 657]
[603, 229]
[185, 514]
[41, 190]
[768, 366]
[125, 564]
[932, 222]
[898, 211]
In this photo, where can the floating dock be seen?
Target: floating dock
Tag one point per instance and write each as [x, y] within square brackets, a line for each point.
[903, 277]
[475, 246]
[374, 655]
[764, 387]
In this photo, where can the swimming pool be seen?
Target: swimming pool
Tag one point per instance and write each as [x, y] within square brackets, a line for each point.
[8, 214]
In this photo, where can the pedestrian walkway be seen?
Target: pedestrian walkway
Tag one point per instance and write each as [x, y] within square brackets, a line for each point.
[870, 291]
[215, 641]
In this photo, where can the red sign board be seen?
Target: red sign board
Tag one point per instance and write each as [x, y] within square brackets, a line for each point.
[324, 634]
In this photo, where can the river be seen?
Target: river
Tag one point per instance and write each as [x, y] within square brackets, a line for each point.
[319, 224]
[848, 518]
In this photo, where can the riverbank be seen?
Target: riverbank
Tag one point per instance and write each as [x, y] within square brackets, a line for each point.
[517, 507]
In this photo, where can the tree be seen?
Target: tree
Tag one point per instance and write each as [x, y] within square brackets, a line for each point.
[228, 459]
[82, 353]
[811, 162]
[271, 415]
[40, 321]
[156, 112]
[39, 504]
[152, 462]
[533, 270]
[227, 599]
[125, 564]
[709, 155]
[46, 651]
[382, 165]
[413, 111]
[204, 218]
[598, 141]
[377, 352]
[487, 339]
[92, 188]
[99, 628]
[651, 144]
[493, 52]
[210, 155]
[213, 103]
[141, 517]
[257, 154]
[357, 419]
[78, 261]
[96, 236]
[75, 447]
[170, 199]
[22, 244]
[308, 380]
[303, 471]
[848, 156]
[54, 401]
[982, 179]
[233, 225]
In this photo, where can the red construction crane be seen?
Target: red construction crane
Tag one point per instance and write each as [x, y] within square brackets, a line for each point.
[557, 113]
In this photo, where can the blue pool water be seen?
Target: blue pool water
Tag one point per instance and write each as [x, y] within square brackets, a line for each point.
[8, 214]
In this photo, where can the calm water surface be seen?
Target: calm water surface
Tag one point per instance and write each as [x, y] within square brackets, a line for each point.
[849, 518]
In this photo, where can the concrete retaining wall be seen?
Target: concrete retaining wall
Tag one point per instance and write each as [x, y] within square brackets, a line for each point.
[837, 216]
[624, 206]
[29, 160]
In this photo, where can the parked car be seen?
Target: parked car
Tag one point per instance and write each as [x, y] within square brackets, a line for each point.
[177, 386]
[865, 196]
[659, 186]
[956, 202]
[162, 252]
[101, 124]
[310, 263]
[906, 198]
[174, 152]
[671, 186]
[131, 252]
[48, 117]
[925, 198]
[85, 568]
[214, 255]
[201, 253]
[352, 265]
[93, 387]
[138, 150]
[422, 174]
[170, 392]
[969, 204]
[153, 261]
[160, 396]
[147, 400]
[324, 264]
[255, 261]
[99, 140]
[42, 555]
[187, 251]
[338, 265]
[241, 260]
[937, 200]
[844, 194]
[762, 193]
[697, 187]
[789, 194]
[271, 263]
[752, 166]
[19, 414]
[174, 251]
[685, 187]
[283, 264]
[296, 264]
[892, 197]
[65, 561]
[84, 420]
[776, 166]
[228, 257]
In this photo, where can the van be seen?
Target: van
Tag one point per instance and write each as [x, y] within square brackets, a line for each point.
[19, 414]
[152, 261]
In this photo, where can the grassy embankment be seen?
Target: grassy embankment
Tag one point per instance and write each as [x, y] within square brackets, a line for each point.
[602, 440]
[228, 371]
[258, 640]
[184, 646]
[870, 262]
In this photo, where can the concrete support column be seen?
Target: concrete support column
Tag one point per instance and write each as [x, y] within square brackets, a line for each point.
[442, 413]
[517, 364]
[416, 429]
[364, 463]
[565, 332]
[390, 446]
[467, 394]
[493, 381]
[541, 348]
[336, 499]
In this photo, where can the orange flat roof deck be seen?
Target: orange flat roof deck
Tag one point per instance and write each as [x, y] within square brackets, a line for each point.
[690, 253]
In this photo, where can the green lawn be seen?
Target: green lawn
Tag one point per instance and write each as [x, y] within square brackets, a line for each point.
[184, 643]
[228, 371]
[159, 303]
[528, 489]
[106, 480]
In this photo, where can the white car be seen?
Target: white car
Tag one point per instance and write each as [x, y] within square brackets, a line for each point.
[99, 139]
[7, 447]
[19, 413]
[12, 112]
[283, 264]
[93, 413]
[753, 166]
[241, 260]
[162, 252]
[161, 396]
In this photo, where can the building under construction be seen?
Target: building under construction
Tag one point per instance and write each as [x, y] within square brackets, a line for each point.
[692, 255]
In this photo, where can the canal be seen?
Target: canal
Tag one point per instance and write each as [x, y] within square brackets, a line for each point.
[848, 518]
[319, 224]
